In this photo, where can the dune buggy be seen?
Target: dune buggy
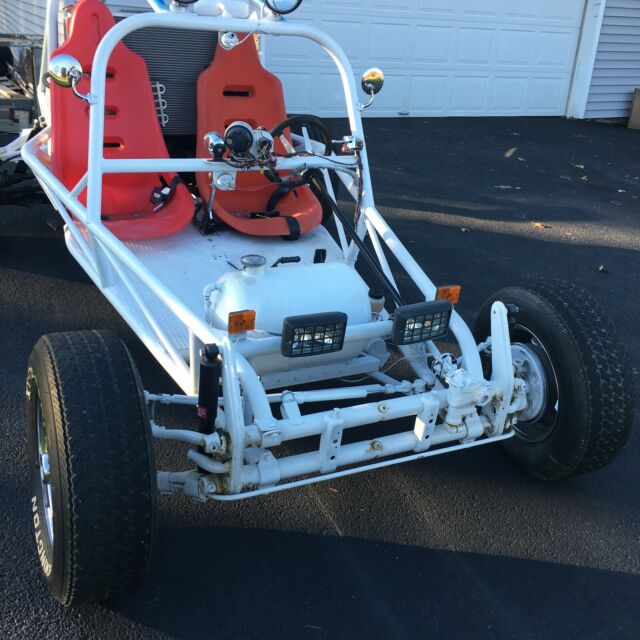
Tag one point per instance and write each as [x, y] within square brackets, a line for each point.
[240, 271]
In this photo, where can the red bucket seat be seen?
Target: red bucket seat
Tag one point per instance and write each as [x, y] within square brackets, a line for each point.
[131, 130]
[237, 87]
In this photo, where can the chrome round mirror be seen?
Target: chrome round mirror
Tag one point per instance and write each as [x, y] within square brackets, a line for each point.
[372, 81]
[64, 70]
[282, 7]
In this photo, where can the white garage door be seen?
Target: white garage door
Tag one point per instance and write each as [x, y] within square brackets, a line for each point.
[440, 57]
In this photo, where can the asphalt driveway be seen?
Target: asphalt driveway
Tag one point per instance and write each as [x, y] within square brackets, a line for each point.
[457, 546]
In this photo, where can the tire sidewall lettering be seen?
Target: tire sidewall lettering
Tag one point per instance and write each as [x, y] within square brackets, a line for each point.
[41, 547]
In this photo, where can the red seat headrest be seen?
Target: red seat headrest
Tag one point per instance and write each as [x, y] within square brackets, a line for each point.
[131, 130]
[237, 87]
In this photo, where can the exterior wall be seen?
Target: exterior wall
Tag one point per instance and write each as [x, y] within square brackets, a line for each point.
[440, 57]
[25, 17]
[616, 72]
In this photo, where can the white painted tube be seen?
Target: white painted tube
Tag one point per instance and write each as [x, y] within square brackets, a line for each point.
[380, 464]
[328, 395]
[458, 326]
[155, 165]
[254, 391]
[306, 463]
[205, 462]
[183, 435]
[31, 154]
[356, 416]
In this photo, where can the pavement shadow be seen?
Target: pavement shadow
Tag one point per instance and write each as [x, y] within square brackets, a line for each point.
[40, 255]
[233, 583]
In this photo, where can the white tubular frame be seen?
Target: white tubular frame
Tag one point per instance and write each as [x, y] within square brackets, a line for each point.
[252, 469]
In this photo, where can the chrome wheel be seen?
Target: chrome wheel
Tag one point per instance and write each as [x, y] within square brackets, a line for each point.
[533, 364]
[44, 468]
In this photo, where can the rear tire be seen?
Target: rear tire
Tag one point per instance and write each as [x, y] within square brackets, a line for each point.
[590, 401]
[92, 466]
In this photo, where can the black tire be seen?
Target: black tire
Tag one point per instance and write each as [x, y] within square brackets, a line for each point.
[85, 399]
[590, 405]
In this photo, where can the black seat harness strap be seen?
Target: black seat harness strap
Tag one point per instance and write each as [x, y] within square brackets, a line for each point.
[162, 194]
[294, 228]
[292, 223]
[284, 189]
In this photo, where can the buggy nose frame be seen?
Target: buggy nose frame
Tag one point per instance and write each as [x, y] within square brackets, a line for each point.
[467, 413]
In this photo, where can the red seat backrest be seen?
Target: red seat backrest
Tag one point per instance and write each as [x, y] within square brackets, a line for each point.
[237, 87]
[131, 130]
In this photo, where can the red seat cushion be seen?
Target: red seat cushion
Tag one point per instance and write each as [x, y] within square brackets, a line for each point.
[237, 87]
[131, 130]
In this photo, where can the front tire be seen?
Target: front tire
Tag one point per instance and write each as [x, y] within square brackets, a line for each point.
[92, 466]
[589, 391]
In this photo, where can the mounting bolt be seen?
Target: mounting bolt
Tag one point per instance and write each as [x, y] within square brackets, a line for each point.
[213, 443]
[383, 407]
[376, 445]
[206, 486]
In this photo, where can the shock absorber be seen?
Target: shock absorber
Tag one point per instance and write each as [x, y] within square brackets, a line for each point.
[208, 391]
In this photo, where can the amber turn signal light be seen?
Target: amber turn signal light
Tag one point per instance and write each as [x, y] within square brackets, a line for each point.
[450, 292]
[241, 321]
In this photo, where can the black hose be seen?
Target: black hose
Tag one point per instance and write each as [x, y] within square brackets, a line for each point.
[303, 119]
[321, 193]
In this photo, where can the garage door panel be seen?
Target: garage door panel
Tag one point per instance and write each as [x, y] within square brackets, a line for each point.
[428, 95]
[484, 8]
[548, 95]
[508, 95]
[298, 92]
[556, 50]
[515, 47]
[326, 91]
[342, 31]
[567, 11]
[328, 5]
[522, 9]
[433, 44]
[285, 49]
[404, 6]
[479, 57]
[474, 45]
[442, 8]
[388, 42]
[468, 95]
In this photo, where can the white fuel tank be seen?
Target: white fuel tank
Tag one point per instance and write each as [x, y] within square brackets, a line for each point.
[276, 293]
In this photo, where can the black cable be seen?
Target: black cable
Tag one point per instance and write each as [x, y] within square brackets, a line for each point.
[301, 121]
[321, 192]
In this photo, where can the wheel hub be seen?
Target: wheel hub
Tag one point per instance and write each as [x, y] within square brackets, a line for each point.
[44, 468]
[528, 366]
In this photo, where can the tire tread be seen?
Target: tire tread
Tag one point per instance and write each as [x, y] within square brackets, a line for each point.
[108, 476]
[605, 366]
[608, 369]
